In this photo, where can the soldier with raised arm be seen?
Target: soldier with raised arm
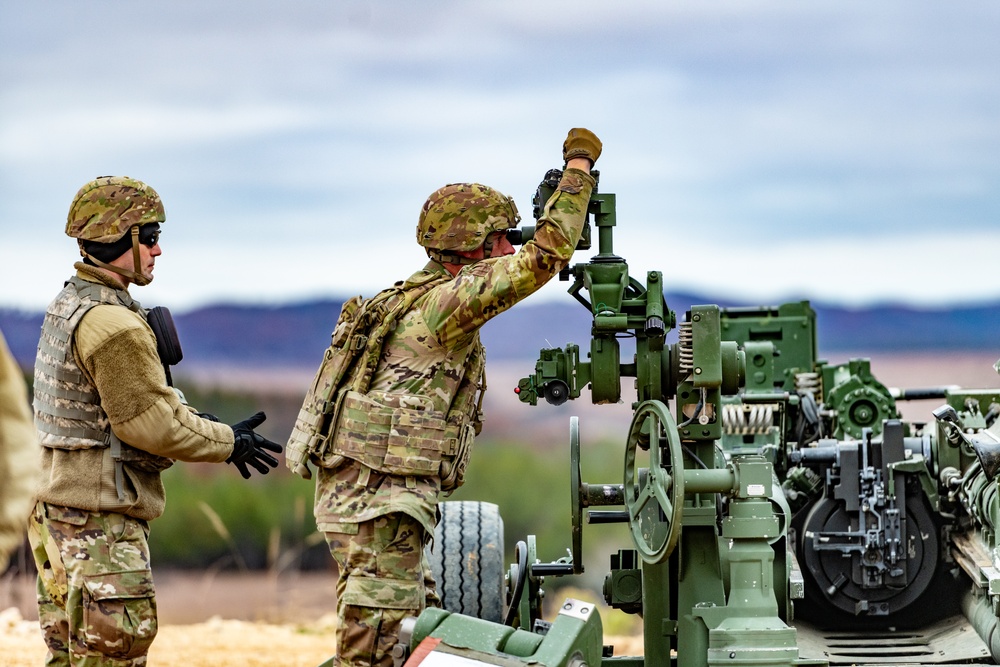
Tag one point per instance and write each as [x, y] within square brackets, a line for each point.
[389, 446]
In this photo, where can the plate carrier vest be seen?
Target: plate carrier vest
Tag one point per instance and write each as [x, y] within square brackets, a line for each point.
[68, 412]
[394, 433]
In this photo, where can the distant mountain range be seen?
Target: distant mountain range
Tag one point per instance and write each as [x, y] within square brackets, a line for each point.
[295, 335]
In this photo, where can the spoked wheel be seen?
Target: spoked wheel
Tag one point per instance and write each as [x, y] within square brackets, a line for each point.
[467, 559]
[654, 495]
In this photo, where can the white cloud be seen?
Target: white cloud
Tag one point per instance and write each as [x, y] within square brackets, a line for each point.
[74, 133]
[779, 127]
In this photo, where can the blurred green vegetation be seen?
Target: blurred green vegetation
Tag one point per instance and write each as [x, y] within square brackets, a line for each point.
[216, 519]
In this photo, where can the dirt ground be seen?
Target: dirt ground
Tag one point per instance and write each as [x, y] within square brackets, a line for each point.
[226, 619]
[213, 643]
[220, 621]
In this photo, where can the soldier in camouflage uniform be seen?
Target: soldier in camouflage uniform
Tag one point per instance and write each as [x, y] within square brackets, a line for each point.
[108, 423]
[393, 450]
[18, 455]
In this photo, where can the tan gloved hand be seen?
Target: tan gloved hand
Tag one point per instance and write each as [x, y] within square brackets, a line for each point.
[581, 142]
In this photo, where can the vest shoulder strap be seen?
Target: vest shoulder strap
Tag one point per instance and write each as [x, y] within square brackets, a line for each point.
[385, 309]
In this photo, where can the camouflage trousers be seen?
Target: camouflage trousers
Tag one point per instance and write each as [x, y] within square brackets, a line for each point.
[384, 577]
[96, 602]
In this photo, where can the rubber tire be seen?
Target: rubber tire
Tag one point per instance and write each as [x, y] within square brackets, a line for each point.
[467, 559]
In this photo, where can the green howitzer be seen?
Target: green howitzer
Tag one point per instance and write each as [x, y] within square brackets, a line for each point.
[893, 522]
[781, 513]
[709, 591]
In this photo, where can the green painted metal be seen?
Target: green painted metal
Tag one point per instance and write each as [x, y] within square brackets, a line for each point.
[573, 640]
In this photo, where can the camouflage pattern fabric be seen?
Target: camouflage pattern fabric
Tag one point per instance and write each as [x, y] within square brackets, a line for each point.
[384, 578]
[432, 354]
[354, 352]
[96, 604]
[394, 433]
[107, 207]
[460, 215]
[68, 410]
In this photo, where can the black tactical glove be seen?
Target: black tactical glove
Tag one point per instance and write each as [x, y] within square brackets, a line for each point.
[249, 447]
[581, 142]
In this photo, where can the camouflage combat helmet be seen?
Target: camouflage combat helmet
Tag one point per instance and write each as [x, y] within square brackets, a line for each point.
[459, 217]
[109, 207]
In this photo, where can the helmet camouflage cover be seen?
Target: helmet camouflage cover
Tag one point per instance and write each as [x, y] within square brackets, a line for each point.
[106, 208]
[459, 216]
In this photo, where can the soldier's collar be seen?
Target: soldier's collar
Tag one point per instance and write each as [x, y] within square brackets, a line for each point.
[95, 275]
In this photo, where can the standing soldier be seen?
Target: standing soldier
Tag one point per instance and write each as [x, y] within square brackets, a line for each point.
[18, 455]
[108, 425]
[391, 428]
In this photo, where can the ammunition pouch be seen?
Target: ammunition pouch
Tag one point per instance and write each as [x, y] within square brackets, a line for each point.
[397, 434]
[453, 468]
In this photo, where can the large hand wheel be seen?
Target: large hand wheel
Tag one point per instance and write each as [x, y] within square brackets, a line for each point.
[655, 500]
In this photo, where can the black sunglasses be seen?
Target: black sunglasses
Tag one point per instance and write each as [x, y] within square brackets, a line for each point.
[149, 234]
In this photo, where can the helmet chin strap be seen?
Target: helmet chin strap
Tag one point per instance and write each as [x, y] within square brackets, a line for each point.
[135, 276]
[488, 245]
[454, 258]
[449, 257]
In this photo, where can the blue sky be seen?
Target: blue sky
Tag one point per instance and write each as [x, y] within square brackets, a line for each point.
[839, 151]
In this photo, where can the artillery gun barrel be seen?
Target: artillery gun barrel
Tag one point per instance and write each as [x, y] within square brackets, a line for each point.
[926, 393]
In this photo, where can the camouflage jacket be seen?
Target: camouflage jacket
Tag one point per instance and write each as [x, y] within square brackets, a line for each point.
[108, 355]
[426, 355]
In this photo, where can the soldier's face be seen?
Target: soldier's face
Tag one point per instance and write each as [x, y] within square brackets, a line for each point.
[147, 259]
[501, 246]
